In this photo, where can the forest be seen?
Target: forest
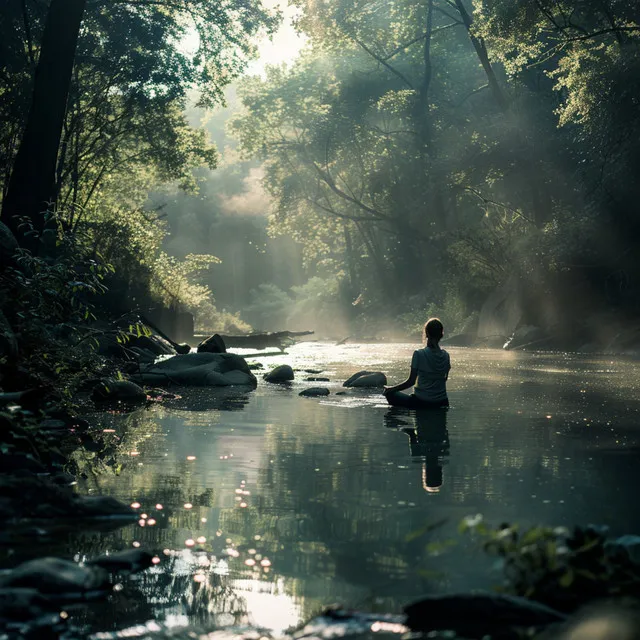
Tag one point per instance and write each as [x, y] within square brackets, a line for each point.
[415, 157]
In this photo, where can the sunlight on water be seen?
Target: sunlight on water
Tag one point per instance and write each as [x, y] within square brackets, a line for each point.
[265, 507]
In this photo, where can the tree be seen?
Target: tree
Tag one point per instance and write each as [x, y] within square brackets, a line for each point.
[31, 186]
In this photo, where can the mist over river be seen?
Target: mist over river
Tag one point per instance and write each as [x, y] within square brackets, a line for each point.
[264, 506]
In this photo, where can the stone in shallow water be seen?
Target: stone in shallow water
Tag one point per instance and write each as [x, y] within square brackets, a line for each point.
[56, 577]
[314, 392]
[118, 391]
[283, 373]
[366, 379]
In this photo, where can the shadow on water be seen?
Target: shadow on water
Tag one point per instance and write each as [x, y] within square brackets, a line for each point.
[428, 440]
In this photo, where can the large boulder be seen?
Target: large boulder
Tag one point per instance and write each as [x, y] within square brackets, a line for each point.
[198, 369]
[315, 392]
[110, 390]
[283, 373]
[366, 379]
[154, 343]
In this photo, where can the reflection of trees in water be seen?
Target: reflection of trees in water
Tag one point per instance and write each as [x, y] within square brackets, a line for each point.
[170, 590]
[327, 508]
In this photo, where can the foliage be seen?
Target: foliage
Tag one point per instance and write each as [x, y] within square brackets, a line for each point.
[269, 307]
[50, 305]
[137, 66]
[417, 148]
[210, 320]
[557, 567]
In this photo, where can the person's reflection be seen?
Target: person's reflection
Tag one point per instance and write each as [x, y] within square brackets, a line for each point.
[428, 440]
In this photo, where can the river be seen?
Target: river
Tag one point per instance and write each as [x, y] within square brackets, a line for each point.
[264, 506]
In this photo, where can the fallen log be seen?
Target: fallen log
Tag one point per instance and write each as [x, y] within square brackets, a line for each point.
[275, 339]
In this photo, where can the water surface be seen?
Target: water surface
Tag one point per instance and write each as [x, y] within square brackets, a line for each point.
[266, 506]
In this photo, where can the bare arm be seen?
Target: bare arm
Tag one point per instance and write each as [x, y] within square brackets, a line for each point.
[409, 382]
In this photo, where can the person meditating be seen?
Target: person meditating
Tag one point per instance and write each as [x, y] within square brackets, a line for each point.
[429, 372]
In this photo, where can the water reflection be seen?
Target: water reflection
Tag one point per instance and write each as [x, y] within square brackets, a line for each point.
[211, 399]
[428, 440]
[327, 497]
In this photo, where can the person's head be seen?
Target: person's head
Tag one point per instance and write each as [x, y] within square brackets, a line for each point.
[433, 332]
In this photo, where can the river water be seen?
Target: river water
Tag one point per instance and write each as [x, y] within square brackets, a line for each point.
[264, 506]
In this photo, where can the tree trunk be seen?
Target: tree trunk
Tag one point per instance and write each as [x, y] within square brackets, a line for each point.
[32, 182]
[483, 56]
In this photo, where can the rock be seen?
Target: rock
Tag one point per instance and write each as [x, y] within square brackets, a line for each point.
[8, 245]
[144, 356]
[198, 369]
[475, 615]
[110, 390]
[366, 379]
[55, 577]
[154, 343]
[312, 379]
[102, 506]
[283, 373]
[315, 392]
[131, 561]
[22, 604]
[213, 344]
[29, 496]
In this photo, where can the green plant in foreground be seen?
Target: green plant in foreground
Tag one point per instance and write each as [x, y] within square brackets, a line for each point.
[557, 567]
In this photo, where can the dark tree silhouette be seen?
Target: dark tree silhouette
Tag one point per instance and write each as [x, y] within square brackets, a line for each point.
[32, 182]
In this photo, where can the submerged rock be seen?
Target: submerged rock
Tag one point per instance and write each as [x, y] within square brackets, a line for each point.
[110, 390]
[130, 560]
[283, 373]
[198, 369]
[55, 577]
[366, 379]
[315, 392]
[315, 379]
